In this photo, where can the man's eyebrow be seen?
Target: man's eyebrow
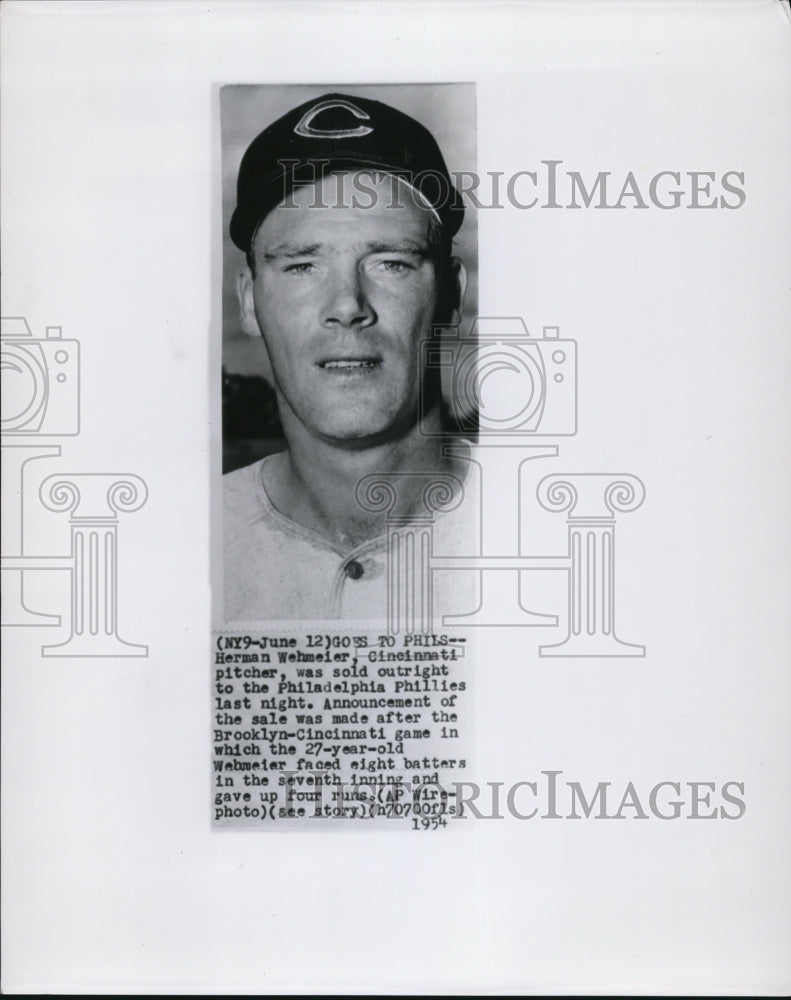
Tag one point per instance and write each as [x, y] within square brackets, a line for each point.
[289, 250]
[399, 246]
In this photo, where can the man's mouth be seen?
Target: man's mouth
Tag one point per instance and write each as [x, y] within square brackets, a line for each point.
[349, 364]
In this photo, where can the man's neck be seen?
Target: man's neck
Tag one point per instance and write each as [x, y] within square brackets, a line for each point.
[315, 482]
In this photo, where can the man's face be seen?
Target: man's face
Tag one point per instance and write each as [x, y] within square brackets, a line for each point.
[342, 296]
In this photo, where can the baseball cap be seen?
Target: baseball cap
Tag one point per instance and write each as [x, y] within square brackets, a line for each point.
[338, 132]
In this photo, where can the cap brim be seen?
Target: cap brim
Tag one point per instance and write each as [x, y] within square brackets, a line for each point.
[248, 216]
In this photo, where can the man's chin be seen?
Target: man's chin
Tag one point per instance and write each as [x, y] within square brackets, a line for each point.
[357, 434]
[358, 439]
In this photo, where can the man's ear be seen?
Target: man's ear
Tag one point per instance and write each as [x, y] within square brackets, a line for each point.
[457, 290]
[249, 323]
[244, 292]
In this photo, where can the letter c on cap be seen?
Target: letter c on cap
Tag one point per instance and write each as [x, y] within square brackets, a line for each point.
[305, 129]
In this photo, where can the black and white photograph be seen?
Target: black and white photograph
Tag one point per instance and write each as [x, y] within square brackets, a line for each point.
[395, 540]
[348, 261]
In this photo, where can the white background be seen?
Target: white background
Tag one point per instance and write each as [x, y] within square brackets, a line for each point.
[112, 877]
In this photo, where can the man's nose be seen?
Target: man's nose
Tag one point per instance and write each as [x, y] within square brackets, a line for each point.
[346, 302]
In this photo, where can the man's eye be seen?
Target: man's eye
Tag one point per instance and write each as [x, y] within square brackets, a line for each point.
[395, 266]
[303, 268]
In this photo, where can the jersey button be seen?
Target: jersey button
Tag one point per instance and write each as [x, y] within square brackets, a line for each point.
[354, 570]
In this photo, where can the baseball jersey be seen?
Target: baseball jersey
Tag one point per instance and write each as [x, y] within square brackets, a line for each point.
[276, 569]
